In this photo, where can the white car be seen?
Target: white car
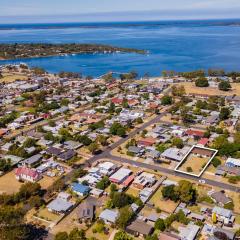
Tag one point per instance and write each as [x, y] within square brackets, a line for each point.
[201, 181]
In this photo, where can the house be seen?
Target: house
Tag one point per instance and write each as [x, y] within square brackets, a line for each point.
[86, 210]
[145, 194]
[189, 232]
[128, 181]
[153, 154]
[203, 142]
[174, 154]
[3, 132]
[107, 168]
[109, 216]
[27, 174]
[143, 180]
[67, 155]
[32, 161]
[220, 198]
[72, 145]
[80, 189]
[146, 142]
[233, 162]
[139, 228]
[121, 175]
[223, 215]
[59, 206]
[195, 133]
[53, 151]
[136, 150]
[168, 236]
[202, 152]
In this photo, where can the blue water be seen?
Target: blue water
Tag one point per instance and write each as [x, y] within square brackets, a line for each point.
[172, 45]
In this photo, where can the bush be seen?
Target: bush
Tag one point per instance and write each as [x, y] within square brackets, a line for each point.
[216, 162]
[189, 169]
[202, 82]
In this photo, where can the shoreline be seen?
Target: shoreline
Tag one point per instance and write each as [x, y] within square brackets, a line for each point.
[41, 50]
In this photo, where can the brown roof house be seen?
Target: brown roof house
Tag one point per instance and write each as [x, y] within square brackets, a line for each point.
[139, 228]
[86, 210]
[220, 198]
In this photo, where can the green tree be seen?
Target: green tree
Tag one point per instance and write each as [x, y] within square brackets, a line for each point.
[121, 235]
[186, 192]
[160, 225]
[125, 214]
[224, 86]
[166, 100]
[177, 142]
[202, 82]
[93, 147]
[103, 183]
[61, 236]
[224, 113]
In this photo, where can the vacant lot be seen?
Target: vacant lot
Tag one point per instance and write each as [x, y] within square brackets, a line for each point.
[165, 205]
[9, 184]
[48, 216]
[193, 164]
[192, 89]
[7, 78]
[133, 191]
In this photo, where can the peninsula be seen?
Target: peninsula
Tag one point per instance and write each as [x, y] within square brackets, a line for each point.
[33, 50]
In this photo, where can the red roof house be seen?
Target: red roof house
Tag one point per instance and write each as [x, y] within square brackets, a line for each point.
[117, 100]
[203, 141]
[195, 133]
[27, 174]
[146, 141]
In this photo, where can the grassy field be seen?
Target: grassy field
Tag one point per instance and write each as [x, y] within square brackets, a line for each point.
[195, 163]
[192, 89]
[100, 236]
[8, 78]
[9, 184]
[49, 216]
[165, 205]
[133, 191]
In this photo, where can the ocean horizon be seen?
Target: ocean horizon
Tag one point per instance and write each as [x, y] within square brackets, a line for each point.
[180, 45]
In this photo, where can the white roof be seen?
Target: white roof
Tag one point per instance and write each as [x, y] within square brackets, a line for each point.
[233, 161]
[106, 165]
[121, 174]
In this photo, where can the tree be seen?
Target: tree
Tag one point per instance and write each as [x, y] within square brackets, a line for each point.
[185, 191]
[61, 236]
[29, 142]
[121, 132]
[35, 201]
[168, 192]
[224, 86]
[117, 129]
[216, 162]
[160, 225]
[77, 234]
[178, 91]
[121, 235]
[65, 102]
[166, 100]
[12, 223]
[202, 82]
[93, 147]
[104, 183]
[177, 142]
[102, 140]
[224, 113]
[125, 214]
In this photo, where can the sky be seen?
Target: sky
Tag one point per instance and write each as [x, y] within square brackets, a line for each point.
[32, 11]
